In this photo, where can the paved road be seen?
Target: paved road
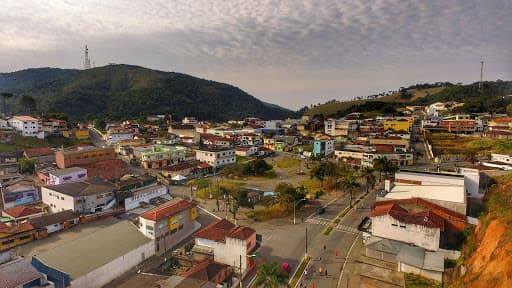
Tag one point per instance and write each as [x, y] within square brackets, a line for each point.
[96, 138]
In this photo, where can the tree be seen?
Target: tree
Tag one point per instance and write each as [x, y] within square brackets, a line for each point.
[27, 165]
[349, 182]
[4, 97]
[28, 103]
[380, 165]
[367, 174]
[100, 124]
[324, 170]
[270, 275]
[239, 199]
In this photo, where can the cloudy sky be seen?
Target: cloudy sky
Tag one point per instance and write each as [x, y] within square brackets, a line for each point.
[293, 52]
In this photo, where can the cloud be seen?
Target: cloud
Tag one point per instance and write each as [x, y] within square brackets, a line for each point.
[299, 39]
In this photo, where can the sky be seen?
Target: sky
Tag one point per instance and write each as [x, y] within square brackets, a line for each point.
[292, 53]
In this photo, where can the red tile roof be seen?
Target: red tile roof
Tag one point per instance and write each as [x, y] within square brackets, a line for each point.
[218, 231]
[203, 165]
[25, 118]
[427, 213]
[36, 152]
[21, 211]
[167, 210]
[502, 120]
[15, 228]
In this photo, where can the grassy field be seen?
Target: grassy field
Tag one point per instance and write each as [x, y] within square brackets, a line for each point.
[446, 143]
[312, 185]
[287, 162]
[332, 108]
[22, 143]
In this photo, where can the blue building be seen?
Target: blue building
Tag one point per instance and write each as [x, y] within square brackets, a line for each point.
[323, 148]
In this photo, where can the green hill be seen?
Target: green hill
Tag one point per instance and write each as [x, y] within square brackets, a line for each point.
[491, 100]
[121, 91]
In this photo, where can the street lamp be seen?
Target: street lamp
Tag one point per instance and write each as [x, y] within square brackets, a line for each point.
[298, 201]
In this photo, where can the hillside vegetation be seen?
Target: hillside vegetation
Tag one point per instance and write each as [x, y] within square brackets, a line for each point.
[486, 256]
[495, 98]
[120, 91]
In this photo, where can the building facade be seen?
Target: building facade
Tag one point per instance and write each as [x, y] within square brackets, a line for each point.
[169, 224]
[216, 157]
[61, 176]
[323, 147]
[83, 156]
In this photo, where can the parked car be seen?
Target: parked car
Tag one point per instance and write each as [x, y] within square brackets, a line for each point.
[320, 210]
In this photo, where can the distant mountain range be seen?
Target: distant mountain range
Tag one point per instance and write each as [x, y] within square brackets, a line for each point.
[127, 91]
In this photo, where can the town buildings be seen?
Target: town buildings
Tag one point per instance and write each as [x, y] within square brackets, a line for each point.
[227, 243]
[83, 156]
[27, 126]
[115, 135]
[60, 176]
[169, 224]
[82, 197]
[216, 157]
[323, 148]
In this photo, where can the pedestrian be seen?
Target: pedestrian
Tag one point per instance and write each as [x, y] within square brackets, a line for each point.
[325, 272]
[325, 247]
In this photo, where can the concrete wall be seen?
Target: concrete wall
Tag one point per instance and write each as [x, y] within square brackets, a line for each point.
[229, 252]
[431, 179]
[390, 228]
[434, 275]
[56, 180]
[472, 182]
[115, 268]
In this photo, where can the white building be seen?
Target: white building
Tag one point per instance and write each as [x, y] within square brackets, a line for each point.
[144, 195]
[226, 242]
[445, 190]
[61, 176]
[27, 126]
[115, 135]
[95, 259]
[246, 151]
[339, 127]
[216, 157]
[189, 120]
[83, 196]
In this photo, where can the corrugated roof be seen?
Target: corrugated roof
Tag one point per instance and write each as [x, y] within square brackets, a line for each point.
[65, 171]
[55, 218]
[84, 187]
[18, 272]
[92, 251]
[167, 210]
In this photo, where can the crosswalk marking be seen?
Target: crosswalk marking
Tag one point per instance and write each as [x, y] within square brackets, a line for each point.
[344, 228]
[318, 221]
[326, 222]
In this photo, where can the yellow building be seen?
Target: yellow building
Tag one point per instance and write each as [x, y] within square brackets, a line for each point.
[402, 124]
[76, 133]
[13, 234]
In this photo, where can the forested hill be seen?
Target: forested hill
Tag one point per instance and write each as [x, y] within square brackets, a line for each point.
[121, 91]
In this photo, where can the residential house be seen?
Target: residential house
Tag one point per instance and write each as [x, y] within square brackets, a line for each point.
[22, 213]
[115, 135]
[446, 190]
[417, 221]
[391, 140]
[19, 194]
[184, 169]
[51, 223]
[339, 127]
[60, 176]
[9, 168]
[134, 197]
[227, 243]
[95, 259]
[211, 271]
[159, 156]
[400, 124]
[246, 151]
[83, 196]
[457, 126]
[13, 234]
[214, 140]
[323, 147]
[185, 131]
[40, 155]
[83, 156]
[189, 120]
[20, 273]
[27, 126]
[169, 224]
[53, 126]
[250, 139]
[76, 133]
[216, 157]
[107, 169]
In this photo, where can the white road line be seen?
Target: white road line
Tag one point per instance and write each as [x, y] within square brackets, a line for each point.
[209, 212]
[346, 259]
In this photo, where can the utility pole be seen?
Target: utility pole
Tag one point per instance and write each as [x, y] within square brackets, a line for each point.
[306, 254]
[240, 271]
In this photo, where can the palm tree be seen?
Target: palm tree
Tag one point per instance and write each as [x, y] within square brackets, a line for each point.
[380, 164]
[270, 275]
[349, 182]
[4, 97]
[367, 174]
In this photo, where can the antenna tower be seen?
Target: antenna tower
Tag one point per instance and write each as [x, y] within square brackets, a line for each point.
[87, 60]
[480, 84]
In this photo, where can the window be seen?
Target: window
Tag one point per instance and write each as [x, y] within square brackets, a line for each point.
[402, 226]
[394, 225]
[148, 227]
[24, 237]
[6, 242]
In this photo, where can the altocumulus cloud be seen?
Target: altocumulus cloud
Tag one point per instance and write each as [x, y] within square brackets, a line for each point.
[289, 52]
